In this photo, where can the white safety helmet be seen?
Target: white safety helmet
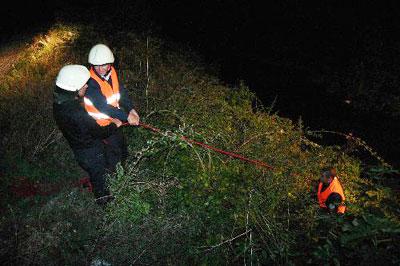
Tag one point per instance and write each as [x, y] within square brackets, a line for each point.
[72, 77]
[100, 54]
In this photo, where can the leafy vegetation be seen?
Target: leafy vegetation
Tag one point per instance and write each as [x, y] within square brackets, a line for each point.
[177, 203]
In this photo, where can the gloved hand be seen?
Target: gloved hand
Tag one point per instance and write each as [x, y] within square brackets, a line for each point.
[116, 121]
[133, 118]
[331, 207]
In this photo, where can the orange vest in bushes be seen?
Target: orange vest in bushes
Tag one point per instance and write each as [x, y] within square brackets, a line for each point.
[111, 92]
[334, 187]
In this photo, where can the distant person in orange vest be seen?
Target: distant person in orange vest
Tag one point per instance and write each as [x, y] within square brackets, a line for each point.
[330, 192]
[107, 99]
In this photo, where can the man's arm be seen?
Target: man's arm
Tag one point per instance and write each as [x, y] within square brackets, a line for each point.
[333, 201]
[94, 94]
[125, 100]
[94, 129]
[126, 104]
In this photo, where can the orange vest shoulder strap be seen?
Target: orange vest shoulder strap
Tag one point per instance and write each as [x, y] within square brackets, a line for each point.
[114, 79]
[105, 87]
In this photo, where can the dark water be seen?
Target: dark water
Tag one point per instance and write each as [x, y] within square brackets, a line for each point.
[282, 51]
[295, 95]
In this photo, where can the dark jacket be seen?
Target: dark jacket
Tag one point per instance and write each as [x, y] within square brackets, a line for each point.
[80, 129]
[94, 94]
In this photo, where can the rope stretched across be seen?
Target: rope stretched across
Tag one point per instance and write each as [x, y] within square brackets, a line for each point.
[29, 190]
[206, 146]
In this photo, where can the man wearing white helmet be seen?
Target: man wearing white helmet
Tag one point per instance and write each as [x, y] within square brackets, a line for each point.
[106, 99]
[83, 134]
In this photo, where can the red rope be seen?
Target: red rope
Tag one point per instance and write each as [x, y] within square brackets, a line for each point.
[22, 187]
[206, 146]
[28, 189]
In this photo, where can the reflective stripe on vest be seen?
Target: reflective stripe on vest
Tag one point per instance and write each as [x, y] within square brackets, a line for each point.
[334, 187]
[101, 118]
[111, 93]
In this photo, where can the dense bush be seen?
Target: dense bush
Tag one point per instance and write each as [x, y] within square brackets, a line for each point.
[177, 203]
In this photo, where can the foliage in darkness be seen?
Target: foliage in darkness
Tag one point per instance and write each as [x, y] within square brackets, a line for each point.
[177, 203]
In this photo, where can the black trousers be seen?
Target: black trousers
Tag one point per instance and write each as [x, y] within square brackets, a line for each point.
[101, 159]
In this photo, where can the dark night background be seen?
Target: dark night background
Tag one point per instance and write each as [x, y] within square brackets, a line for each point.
[335, 65]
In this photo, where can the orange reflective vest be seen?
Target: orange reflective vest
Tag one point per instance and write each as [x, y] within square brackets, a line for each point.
[110, 92]
[334, 187]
